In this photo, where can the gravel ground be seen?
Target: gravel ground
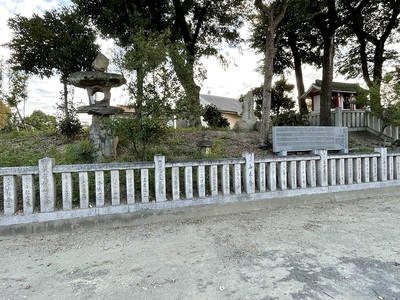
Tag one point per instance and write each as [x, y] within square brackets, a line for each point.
[336, 250]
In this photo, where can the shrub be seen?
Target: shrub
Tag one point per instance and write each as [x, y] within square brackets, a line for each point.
[138, 134]
[290, 118]
[214, 118]
[70, 127]
[84, 152]
[38, 120]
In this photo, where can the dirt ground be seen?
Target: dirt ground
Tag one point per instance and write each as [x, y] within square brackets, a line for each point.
[336, 250]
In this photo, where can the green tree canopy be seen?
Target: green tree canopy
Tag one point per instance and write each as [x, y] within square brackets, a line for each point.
[328, 16]
[367, 37]
[297, 43]
[153, 90]
[38, 120]
[196, 29]
[12, 97]
[214, 117]
[58, 43]
[281, 101]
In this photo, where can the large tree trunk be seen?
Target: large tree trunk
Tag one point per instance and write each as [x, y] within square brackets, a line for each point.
[268, 73]
[299, 77]
[274, 13]
[184, 70]
[327, 77]
[64, 81]
[376, 105]
[140, 93]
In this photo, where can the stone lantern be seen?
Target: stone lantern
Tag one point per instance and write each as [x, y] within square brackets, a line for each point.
[99, 81]
[205, 145]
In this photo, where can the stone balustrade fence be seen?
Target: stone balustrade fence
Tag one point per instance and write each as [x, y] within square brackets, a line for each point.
[358, 120]
[50, 192]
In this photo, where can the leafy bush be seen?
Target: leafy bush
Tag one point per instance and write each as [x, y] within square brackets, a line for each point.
[70, 127]
[138, 134]
[214, 118]
[290, 118]
[38, 120]
[84, 152]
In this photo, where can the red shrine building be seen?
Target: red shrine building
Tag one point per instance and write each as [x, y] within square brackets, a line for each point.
[343, 95]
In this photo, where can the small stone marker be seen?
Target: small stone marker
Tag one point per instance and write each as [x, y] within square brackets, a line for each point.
[308, 138]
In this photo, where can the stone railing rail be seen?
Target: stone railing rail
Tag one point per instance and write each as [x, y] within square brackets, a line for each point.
[50, 192]
[358, 120]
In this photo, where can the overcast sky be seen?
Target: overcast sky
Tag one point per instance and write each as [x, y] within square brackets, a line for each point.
[234, 81]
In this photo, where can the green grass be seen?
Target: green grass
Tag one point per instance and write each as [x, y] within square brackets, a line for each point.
[27, 148]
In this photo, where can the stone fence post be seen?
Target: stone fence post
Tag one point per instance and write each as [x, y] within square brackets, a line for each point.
[47, 185]
[160, 185]
[249, 173]
[10, 195]
[322, 167]
[338, 117]
[382, 164]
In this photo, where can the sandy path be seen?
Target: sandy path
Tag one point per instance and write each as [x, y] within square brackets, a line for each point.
[345, 250]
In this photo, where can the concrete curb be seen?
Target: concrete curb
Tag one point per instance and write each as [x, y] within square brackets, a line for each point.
[193, 209]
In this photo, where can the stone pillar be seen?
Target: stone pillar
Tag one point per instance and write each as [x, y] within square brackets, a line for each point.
[282, 175]
[100, 195]
[311, 176]
[365, 169]
[382, 164]
[249, 176]
[271, 176]
[374, 169]
[302, 174]
[28, 193]
[292, 174]
[322, 167]
[159, 165]
[84, 189]
[332, 172]
[10, 195]
[47, 185]
[226, 188]
[67, 190]
[340, 172]
[115, 188]
[214, 180]
[144, 180]
[201, 181]
[189, 182]
[348, 167]
[102, 139]
[338, 116]
[261, 178]
[175, 183]
[357, 172]
[130, 187]
[390, 162]
[237, 179]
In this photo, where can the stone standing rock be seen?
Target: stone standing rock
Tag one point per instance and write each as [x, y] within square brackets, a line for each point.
[248, 115]
[101, 63]
[248, 119]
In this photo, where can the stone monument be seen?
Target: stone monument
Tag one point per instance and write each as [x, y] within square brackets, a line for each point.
[99, 81]
[248, 120]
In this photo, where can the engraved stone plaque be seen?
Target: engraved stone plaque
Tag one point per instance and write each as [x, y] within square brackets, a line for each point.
[308, 138]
